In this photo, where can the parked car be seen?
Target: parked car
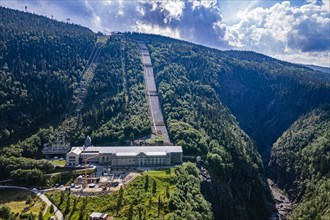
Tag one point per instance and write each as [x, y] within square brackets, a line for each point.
[114, 184]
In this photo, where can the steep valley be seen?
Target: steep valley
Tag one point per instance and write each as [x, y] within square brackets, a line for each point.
[300, 164]
[237, 110]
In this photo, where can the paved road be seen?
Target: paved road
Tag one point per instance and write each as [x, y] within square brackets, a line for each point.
[57, 212]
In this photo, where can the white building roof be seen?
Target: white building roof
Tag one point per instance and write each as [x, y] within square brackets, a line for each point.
[76, 150]
[132, 150]
[98, 215]
[161, 153]
[123, 154]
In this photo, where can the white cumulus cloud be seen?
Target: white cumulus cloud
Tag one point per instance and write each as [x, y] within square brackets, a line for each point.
[285, 31]
[294, 31]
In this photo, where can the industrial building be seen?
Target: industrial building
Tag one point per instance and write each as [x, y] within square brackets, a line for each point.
[125, 156]
[58, 148]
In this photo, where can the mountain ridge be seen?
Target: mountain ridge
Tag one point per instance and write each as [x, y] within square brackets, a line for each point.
[219, 105]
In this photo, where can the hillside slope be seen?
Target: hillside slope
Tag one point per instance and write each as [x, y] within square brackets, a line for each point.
[200, 90]
[114, 111]
[267, 95]
[198, 121]
[40, 63]
[300, 164]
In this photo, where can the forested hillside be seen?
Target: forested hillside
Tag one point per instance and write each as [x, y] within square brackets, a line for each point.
[300, 164]
[41, 60]
[115, 109]
[266, 95]
[212, 101]
[114, 112]
[198, 121]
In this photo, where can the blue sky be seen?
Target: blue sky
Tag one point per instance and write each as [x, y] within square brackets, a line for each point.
[297, 31]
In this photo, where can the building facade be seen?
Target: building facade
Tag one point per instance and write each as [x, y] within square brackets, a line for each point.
[126, 156]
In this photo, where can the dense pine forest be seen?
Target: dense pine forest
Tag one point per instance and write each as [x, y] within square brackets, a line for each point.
[41, 61]
[115, 109]
[300, 164]
[229, 107]
[266, 95]
[198, 121]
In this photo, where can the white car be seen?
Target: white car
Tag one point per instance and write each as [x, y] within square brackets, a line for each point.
[92, 185]
[34, 189]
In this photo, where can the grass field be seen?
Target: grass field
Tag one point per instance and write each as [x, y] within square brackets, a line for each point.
[15, 199]
[60, 163]
[48, 214]
[118, 205]
[68, 177]
[162, 173]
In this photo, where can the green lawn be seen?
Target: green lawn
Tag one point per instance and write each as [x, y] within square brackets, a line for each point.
[48, 214]
[162, 173]
[15, 199]
[134, 196]
[60, 163]
[67, 177]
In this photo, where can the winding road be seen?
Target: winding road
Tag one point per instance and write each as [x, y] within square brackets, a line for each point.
[57, 212]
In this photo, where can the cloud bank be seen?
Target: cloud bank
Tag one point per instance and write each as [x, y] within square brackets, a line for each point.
[285, 31]
[297, 33]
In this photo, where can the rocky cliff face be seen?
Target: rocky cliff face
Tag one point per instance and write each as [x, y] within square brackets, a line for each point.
[224, 199]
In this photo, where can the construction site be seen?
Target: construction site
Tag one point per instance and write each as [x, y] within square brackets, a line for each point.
[105, 183]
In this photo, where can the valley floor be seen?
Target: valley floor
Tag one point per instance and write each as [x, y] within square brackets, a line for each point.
[283, 204]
